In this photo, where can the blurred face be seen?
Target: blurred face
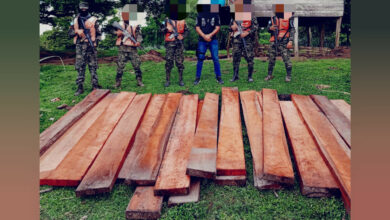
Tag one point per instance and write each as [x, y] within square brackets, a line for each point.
[242, 10]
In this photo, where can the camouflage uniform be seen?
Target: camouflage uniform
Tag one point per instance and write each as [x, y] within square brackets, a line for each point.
[126, 53]
[239, 50]
[85, 54]
[174, 54]
[282, 48]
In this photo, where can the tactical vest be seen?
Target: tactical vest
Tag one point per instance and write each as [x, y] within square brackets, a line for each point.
[128, 42]
[283, 25]
[90, 24]
[180, 26]
[245, 25]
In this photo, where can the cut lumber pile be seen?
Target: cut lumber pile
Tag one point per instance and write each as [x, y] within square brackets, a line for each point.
[230, 155]
[335, 116]
[102, 175]
[203, 156]
[172, 178]
[57, 129]
[76, 163]
[144, 204]
[146, 165]
[277, 163]
[343, 106]
[316, 178]
[332, 147]
[150, 118]
[193, 195]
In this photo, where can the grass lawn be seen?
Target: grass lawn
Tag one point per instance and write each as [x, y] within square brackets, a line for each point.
[216, 202]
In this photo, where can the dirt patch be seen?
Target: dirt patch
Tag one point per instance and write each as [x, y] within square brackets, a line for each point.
[152, 55]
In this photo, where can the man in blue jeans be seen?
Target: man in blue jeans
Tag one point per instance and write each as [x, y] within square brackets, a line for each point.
[207, 26]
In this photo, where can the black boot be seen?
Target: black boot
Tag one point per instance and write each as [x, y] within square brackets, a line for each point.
[219, 80]
[235, 74]
[197, 81]
[181, 83]
[118, 83]
[250, 73]
[96, 86]
[168, 76]
[139, 82]
[288, 77]
[80, 90]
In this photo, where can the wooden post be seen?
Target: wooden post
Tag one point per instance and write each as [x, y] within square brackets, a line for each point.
[309, 36]
[338, 28]
[322, 35]
[296, 52]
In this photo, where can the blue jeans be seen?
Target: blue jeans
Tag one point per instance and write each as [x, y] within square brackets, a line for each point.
[202, 48]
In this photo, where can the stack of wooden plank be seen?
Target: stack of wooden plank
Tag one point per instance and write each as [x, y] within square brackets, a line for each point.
[164, 144]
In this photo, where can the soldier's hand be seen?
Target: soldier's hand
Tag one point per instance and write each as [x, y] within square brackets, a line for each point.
[138, 44]
[244, 34]
[290, 45]
[273, 27]
[119, 33]
[207, 38]
[80, 32]
[180, 37]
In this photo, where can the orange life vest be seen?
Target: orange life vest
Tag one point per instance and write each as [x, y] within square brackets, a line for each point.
[90, 24]
[283, 25]
[128, 42]
[245, 25]
[180, 26]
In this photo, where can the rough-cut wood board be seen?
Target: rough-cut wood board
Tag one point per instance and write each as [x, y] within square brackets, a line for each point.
[57, 152]
[152, 114]
[102, 175]
[144, 204]
[203, 156]
[200, 105]
[193, 196]
[254, 126]
[147, 164]
[277, 161]
[260, 99]
[316, 178]
[343, 106]
[230, 180]
[335, 116]
[76, 163]
[58, 128]
[172, 178]
[333, 148]
[230, 155]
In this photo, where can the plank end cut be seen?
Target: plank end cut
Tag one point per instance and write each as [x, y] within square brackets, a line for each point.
[144, 204]
[203, 156]
[193, 195]
[230, 155]
[277, 161]
[230, 180]
[102, 175]
[58, 128]
[316, 179]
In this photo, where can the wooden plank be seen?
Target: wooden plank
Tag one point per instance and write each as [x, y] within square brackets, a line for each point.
[254, 125]
[335, 116]
[200, 105]
[149, 119]
[230, 180]
[260, 99]
[58, 128]
[144, 204]
[76, 163]
[57, 152]
[147, 163]
[193, 195]
[343, 106]
[230, 156]
[316, 178]
[203, 156]
[332, 147]
[102, 175]
[172, 178]
[277, 162]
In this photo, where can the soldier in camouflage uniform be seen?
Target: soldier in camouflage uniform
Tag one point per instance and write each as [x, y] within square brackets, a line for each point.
[283, 22]
[249, 28]
[128, 50]
[85, 52]
[174, 47]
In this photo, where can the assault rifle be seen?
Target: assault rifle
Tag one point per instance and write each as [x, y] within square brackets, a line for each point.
[87, 33]
[126, 34]
[175, 32]
[276, 32]
[239, 32]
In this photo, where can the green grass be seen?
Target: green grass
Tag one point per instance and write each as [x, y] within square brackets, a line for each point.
[216, 202]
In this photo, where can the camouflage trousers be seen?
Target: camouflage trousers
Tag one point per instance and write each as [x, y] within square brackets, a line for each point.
[125, 54]
[239, 51]
[174, 53]
[86, 55]
[285, 53]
